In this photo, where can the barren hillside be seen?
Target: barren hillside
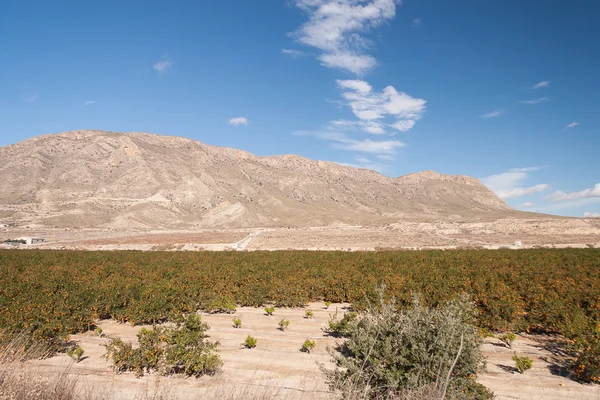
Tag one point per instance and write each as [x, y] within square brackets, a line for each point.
[139, 180]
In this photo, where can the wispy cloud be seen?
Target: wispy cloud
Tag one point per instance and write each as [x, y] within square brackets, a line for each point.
[493, 114]
[363, 162]
[584, 194]
[376, 111]
[237, 121]
[591, 215]
[535, 101]
[509, 185]
[416, 22]
[337, 29]
[89, 102]
[164, 65]
[572, 125]
[527, 204]
[32, 98]
[540, 85]
[341, 141]
[294, 53]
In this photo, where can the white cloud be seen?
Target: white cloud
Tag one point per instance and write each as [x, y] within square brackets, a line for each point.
[521, 191]
[572, 125]
[493, 114]
[565, 205]
[385, 157]
[584, 194]
[416, 22]
[89, 102]
[591, 215]
[337, 29]
[355, 84]
[404, 126]
[238, 121]
[293, 53]
[535, 101]
[365, 163]
[358, 64]
[371, 146]
[540, 85]
[164, 65]
[372, 127]
[342, 141]
[509, 185]
[32, 98]
[372, 109]
[526, 169]
[527, 204]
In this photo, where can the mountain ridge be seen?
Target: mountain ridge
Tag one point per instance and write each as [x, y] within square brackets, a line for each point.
[92, 178]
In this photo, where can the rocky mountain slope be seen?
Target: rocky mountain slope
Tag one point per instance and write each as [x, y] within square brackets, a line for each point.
[141, 180]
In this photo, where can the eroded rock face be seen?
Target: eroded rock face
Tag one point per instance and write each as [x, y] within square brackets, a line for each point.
[117, 180]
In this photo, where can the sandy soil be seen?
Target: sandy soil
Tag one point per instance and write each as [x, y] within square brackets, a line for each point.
[406, 235]
[278, 368]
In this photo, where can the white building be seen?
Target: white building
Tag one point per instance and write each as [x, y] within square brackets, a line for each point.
[32, 240]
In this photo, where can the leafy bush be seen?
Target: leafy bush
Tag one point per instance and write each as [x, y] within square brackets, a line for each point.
[224, 304]
[307, 346]
[237, 323]
[182, 349]
[508, 338]
[327, 304]
[308, 314]
[76, 353]
[340, 328]
[98, 331]
[250, 342]
[389, 352]
[284, 324]
[586, 367]
[269, 310]
[522, 363]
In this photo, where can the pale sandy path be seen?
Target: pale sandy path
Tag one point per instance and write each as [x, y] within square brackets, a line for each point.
[278, 368]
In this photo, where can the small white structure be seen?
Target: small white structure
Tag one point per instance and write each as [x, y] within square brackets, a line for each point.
[32, 240]
[518, 243]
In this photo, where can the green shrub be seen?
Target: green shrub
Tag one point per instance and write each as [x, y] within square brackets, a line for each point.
[327, 304]
[307, 346]
[508, 338]
[182, 349]
[237, 323]
[284, 324]
[308, 314]
[522, 363]
[340, 328]
[98, 331]
[391, 353]
[586, 367]
[250, 342]
[223, 305]
[269, 310]
[76, 353]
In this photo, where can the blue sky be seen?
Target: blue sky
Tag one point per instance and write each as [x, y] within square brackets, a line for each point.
[506, 91]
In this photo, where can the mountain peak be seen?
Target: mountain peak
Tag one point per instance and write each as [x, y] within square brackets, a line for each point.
[92, 178]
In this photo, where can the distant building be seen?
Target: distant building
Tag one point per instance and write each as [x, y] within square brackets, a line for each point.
[32, 240]
[518, 243]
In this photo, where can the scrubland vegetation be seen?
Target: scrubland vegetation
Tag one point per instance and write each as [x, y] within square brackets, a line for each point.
[48, 295]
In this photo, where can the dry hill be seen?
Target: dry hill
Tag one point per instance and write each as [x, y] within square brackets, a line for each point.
[140, 180]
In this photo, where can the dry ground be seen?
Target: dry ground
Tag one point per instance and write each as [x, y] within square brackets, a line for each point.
[277, 368]
[405, 235]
